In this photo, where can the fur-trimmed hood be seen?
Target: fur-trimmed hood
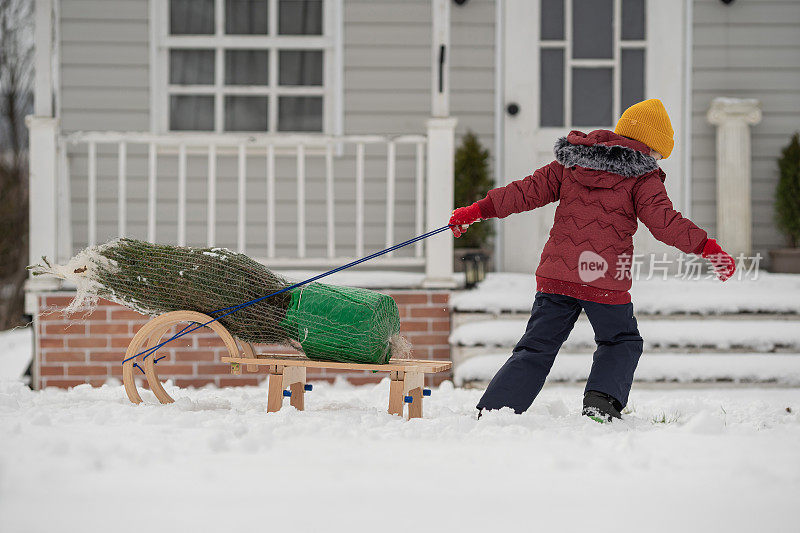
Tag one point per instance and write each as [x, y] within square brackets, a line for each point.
[605, 158]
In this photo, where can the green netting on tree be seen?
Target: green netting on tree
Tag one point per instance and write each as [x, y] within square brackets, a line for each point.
[327, 322]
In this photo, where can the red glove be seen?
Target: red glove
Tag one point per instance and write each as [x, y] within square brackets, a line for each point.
[463, 217]
[723, 263]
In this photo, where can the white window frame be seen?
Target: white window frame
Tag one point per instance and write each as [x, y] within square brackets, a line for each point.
[330, 42]
[614, 62]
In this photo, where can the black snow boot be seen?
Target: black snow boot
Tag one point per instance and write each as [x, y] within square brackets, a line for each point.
[600, 406]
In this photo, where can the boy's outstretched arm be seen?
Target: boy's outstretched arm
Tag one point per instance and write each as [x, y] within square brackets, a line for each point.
[530, 192]
[654, 209]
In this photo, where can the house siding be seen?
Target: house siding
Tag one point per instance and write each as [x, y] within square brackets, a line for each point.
[105, 80]
[745, 50]
[104, 85]
[388, 66]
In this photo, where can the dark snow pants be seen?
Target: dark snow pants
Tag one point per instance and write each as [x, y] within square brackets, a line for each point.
[619, 346]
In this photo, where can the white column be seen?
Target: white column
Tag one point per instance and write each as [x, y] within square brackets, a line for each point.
[42, 202]
[440, 59]
[733, 118]
[439, 202]
[43, 58]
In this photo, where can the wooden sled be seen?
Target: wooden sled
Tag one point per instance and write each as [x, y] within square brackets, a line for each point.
[287, 373]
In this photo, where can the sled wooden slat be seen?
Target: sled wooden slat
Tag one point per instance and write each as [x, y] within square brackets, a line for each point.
[403, 365]
[287, 373]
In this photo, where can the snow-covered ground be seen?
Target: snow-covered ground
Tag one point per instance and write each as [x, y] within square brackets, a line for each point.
[683, 460]
[768, 293]
[16, 348]
[699, 458]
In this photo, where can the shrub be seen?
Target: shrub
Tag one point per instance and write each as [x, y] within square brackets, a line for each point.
[472, 182]
[787, 201]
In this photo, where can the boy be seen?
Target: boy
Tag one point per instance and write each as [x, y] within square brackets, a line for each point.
[603, 182]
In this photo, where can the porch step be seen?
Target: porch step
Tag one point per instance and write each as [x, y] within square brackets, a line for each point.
[763, 293]
[715, 334]
[777, 369]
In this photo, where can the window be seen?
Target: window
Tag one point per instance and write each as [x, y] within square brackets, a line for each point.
[248, 65]
[591, 67]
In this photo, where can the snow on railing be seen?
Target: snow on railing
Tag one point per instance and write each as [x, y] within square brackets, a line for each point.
[246, 147]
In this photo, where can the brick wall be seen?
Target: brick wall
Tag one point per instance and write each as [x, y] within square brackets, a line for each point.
[89, 347]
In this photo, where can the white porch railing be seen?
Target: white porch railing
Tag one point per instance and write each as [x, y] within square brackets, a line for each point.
[431, 198]
[246, 147]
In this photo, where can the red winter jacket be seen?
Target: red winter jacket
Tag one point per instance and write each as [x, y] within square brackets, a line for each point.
[603, 183]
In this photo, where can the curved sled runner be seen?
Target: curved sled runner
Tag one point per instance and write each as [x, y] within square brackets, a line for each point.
[285, 371]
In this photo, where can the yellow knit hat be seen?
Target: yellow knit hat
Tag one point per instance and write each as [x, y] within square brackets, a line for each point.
[648, 122]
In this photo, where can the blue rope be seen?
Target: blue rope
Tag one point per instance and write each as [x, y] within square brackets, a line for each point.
[181, 331]
[157, 360]
[233, 309]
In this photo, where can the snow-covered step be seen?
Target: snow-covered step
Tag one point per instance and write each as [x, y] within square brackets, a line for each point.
[460, 319]
[720, 334]
[767, 293]
[781, 369]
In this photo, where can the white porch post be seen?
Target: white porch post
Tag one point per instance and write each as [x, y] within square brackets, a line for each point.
[734, 219]
[43, 58]
[43, 157]
[42, 203]
[440, 59]
[441, 150]
[439, 202]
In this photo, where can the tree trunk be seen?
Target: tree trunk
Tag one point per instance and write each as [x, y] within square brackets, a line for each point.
[16, 68]
[13, 245]
[12, 301]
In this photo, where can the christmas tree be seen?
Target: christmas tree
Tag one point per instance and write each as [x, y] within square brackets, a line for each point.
[327, 322]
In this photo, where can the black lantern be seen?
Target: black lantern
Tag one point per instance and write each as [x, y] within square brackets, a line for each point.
[474, 268]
